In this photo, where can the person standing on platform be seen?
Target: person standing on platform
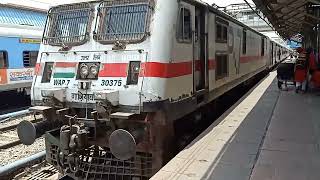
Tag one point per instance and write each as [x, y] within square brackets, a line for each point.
[301, 70]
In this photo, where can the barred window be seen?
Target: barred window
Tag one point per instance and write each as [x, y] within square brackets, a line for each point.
[3, 59]
[124, 21]
[30, 58]
[222, 66]
[68, 25]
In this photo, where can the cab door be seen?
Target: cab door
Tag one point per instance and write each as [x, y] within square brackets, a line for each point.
[184, 46]
[200, 62]
[192, 42]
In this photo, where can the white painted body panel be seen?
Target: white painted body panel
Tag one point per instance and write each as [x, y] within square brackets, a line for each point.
[162, 47]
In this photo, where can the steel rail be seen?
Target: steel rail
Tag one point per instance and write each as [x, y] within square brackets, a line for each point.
[13, 114]
[8, 169]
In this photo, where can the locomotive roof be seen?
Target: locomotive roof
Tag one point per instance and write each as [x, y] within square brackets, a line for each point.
[198, 2]
[210, 8]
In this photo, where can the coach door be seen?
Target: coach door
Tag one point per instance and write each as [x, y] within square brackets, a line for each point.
[200, 67]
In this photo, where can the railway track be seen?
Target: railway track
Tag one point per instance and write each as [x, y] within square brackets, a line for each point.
[39, 171]
[11, 149]
[14, 151]
[8, 139]
[8, 134]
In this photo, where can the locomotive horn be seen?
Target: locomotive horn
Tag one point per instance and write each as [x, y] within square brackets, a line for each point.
[123, 144]
[28, 132]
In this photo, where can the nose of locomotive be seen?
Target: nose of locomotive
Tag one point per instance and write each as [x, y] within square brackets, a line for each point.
[122, 144]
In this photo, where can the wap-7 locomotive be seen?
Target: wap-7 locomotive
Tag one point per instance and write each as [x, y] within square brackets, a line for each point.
[113, 77]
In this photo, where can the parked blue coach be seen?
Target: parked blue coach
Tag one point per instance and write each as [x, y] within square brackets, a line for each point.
[20, 36]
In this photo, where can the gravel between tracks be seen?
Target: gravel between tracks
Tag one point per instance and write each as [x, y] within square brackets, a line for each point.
[21, 151]
[8, 136]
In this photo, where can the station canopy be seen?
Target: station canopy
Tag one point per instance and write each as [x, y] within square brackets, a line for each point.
[291, 17]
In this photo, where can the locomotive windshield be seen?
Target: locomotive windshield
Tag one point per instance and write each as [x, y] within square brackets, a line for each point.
[123, 21]
[68, 25]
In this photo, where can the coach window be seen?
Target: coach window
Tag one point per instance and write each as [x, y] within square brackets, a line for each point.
[262, 47]
[244, 42]
[30, 58]
[185, 29]
[222, 66]
[225, 33]
[3, 59]
[221, 31]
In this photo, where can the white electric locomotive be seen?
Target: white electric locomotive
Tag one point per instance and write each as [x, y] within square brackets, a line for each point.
[112, 78]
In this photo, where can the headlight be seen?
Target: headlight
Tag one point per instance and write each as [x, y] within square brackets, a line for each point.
[88, 70]
[84, 70]
[94, 70]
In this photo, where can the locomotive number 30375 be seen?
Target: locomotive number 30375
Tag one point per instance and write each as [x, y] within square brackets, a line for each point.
[111, 83]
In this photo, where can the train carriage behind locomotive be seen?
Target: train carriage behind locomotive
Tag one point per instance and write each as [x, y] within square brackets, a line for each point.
[113, 76]
[18, 55]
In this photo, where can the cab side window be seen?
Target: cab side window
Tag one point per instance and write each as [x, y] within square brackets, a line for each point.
[184, 28]
[3, 59]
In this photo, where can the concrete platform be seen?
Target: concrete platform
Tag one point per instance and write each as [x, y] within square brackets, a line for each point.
[267, 135]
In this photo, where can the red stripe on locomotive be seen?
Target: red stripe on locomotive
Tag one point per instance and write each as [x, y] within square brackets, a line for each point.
[165, 70]
[151, 69]
[114, 70]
